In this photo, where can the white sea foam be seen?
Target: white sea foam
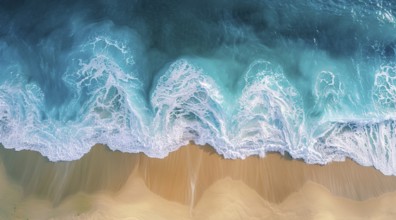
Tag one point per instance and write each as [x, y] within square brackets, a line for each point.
[368, 143]
[384, 90]
[328, 92]
[270, 115]
[187, 106]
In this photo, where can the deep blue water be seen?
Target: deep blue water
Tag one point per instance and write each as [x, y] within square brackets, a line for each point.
[314, 78]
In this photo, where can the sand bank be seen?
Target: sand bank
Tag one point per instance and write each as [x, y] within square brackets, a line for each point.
[191, 183]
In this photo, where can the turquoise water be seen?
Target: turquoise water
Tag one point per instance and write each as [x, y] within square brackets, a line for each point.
[314, 78]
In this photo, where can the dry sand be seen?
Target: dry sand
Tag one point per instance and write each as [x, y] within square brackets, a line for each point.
[191, 183]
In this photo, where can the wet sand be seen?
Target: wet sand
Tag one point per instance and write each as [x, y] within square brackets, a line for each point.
[191, 183]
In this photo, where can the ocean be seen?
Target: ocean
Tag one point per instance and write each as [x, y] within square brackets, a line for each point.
[313, 78]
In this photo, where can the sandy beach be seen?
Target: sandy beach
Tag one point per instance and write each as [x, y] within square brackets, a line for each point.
[193, 182]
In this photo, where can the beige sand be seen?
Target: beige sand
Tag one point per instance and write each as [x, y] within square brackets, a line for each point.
[191, 183]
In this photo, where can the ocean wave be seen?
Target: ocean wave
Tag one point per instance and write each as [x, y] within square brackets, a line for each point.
[186, 104]
[245, 77]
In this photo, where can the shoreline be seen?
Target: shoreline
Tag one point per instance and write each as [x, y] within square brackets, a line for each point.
[189, 178]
